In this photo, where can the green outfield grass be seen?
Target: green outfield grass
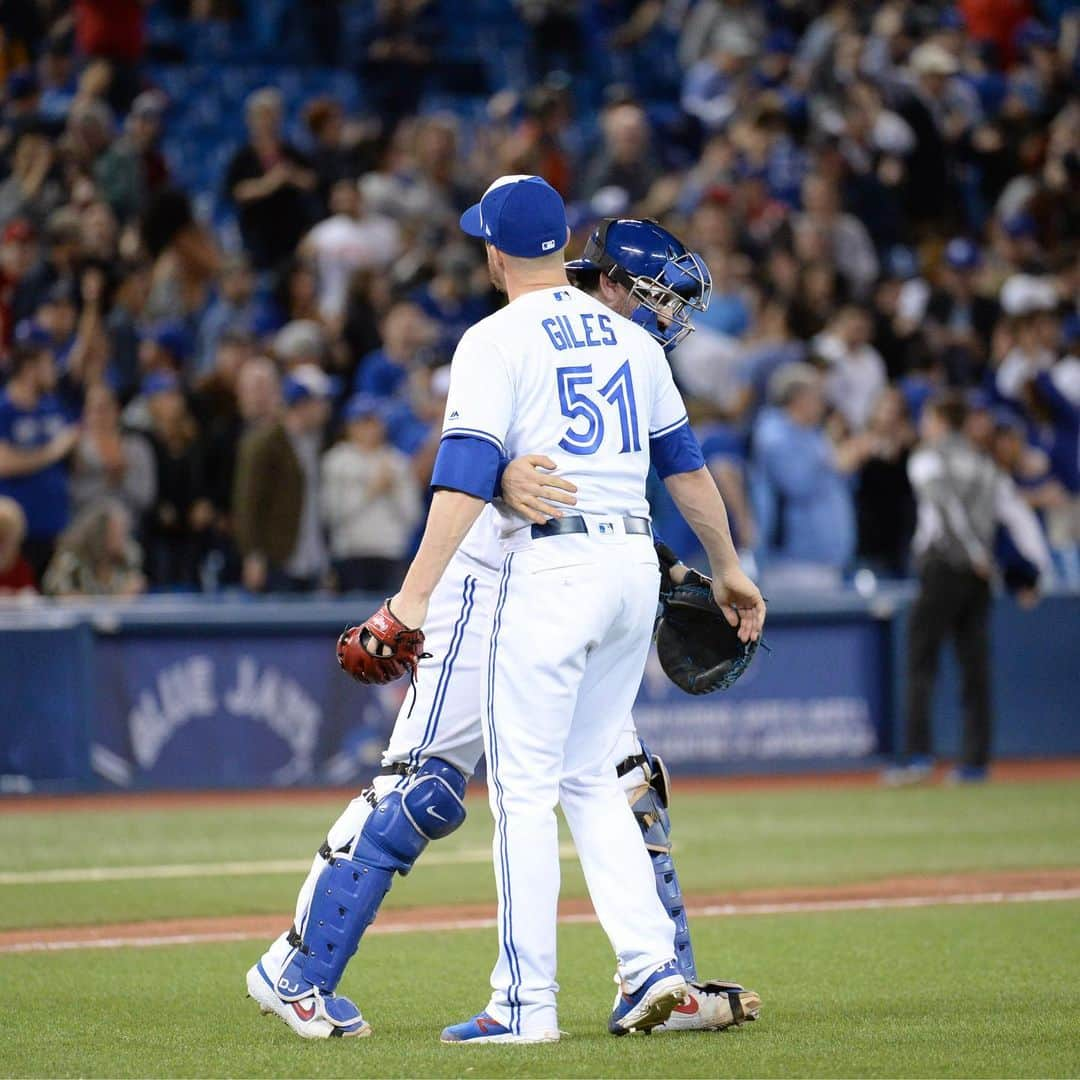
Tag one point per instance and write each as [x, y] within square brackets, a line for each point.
[942, 991]
[724, 842]
[976, 991]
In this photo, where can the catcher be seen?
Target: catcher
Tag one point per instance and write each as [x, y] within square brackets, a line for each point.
[643, 272]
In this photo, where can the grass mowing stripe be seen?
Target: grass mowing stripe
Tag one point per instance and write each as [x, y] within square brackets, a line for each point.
[790, 907]
[992, 829]
[78, 874]
[984, 991]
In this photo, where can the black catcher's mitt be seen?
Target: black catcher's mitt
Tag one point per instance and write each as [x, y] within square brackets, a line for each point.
[699, 649]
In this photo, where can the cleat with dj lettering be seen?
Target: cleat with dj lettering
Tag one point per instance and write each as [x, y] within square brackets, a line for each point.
[713, 1006]
[483, 1028]
[651, 1003]
[317, 1016]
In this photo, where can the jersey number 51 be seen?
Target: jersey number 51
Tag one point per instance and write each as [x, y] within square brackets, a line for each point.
[578, 404]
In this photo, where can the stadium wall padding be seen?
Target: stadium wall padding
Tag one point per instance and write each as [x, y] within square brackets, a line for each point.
[184, 693]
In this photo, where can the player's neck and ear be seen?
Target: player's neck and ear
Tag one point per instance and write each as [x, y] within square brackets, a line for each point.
[517, 276]
[615, 296]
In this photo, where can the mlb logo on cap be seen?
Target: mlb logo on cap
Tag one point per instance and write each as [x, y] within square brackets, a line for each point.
[520, 215]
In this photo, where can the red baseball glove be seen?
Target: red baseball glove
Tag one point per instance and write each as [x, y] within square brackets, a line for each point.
[381, 649]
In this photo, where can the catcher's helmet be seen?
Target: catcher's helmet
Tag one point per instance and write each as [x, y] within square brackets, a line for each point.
[668, 282]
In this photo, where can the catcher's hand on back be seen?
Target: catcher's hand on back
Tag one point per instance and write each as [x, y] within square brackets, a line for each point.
[381, 649]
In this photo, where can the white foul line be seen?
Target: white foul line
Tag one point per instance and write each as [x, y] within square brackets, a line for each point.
[71, 875]
[791, 907]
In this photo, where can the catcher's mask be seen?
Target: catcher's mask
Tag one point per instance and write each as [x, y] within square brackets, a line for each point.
[668, 282]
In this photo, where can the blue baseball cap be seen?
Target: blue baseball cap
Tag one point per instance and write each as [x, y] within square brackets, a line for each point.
[780, 41]
[962, 253]
[29, 332]
[307, 381]
[22, 85]
[159, 382]
[951, 18]
[361, 406]
[520, 215]
[1019, 225]
[901, 262]
[172, 336]
[1033, 34]
[1006, 417]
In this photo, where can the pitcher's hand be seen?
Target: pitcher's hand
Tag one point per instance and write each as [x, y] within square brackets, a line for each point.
[742, 602]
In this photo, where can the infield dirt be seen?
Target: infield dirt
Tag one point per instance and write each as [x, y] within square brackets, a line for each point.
[998, 887]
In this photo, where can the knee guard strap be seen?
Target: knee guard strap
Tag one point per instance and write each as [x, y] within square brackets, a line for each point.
[350, 890]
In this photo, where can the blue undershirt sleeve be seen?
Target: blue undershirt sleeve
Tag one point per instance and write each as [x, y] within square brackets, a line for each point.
[469, 464]
[676, 452]
[503, 462]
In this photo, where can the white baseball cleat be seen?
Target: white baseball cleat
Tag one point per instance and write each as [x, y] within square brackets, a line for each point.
[317, 1016]
[713, 1006]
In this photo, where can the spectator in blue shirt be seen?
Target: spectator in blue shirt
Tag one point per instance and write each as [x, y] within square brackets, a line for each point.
[233, 310]
[801, 490]
[58, 82]
[772, 347]
[409, 338]
[450, 299]
[56, 315]
[36, 437]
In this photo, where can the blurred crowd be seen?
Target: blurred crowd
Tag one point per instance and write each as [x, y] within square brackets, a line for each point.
[886, 195]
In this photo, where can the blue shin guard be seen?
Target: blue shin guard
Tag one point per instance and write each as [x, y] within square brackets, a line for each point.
[350, 889]
[651, 812]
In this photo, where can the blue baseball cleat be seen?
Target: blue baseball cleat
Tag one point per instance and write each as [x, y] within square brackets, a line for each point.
[651, 1003]
[483, 1028]
[969, 774]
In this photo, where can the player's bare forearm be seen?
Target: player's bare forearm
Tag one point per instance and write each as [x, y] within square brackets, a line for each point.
[451, 516]
[699, 501]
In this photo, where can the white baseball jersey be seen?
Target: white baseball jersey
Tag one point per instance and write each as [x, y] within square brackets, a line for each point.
[556, 372]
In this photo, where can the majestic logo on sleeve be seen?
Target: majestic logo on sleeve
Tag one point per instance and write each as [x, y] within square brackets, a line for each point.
[455, 415]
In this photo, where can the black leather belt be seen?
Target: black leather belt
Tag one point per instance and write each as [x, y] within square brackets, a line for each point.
[634, 526]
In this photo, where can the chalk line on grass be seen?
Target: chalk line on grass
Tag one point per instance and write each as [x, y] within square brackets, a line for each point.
[790, 907]
[74, 875]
